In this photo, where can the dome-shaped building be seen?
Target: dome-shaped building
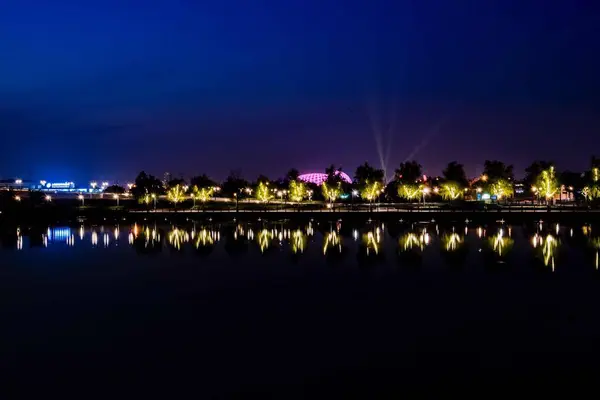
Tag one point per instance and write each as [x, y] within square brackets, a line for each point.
[318, 178]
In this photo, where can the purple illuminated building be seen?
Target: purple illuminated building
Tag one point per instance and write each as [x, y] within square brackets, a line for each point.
[319, 178]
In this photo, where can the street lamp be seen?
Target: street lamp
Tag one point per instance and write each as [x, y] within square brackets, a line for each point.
[116, 197]
[154, 198]
[48, 198]
[80, 197]
[236, 201]
[354, 194]
[17, 198]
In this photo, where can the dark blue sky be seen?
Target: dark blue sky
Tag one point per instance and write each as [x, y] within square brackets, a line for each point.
[103, 89]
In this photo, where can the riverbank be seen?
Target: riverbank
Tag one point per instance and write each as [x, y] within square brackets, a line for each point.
[65, 212]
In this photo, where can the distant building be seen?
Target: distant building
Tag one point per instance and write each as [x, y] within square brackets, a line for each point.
[319, 178]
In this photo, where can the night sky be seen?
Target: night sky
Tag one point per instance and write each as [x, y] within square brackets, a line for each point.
[104, 89]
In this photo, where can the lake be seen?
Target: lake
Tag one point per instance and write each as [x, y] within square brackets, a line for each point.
[297, 309]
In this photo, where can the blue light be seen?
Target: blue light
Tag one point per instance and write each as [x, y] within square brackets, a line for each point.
[60, 233]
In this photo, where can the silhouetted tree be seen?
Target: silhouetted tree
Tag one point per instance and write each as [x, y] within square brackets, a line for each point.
[594, 162]
[147, 184]
[534, 170]
[233, 184]
[495, 170]
[116, 189]
[367, 173]
[263, 179]
[291, 175]
[175, 182]
[202, 181]
[409, 171]
[455, 172]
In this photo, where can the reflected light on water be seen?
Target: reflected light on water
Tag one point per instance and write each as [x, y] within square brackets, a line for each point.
[411, 240]
[177, 237]
[264, 239]
[298, 241]
[19, 240]
[452, 241]
[205, 238]
[94, 238]
[501, 244]
[332, 240]
[371, 241]
[548, 245]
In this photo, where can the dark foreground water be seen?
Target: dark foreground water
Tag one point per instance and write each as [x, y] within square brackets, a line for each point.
[298, 310]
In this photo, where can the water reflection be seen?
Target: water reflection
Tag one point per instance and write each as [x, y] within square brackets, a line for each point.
[547, 245]
[264, 238]
[451, 242]
[413, 243]
[453, 248]
[500, 243]
[298, 241]
[371, 241]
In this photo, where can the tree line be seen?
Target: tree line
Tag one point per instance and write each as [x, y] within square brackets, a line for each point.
[542, 181]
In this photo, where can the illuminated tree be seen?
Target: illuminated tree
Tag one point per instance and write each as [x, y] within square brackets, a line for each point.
[502, 189]
[145, 199]
[331, 192]
[592, 190]
[451, 191]
[547, 184]
[533, 171]
[371, 190]
[204, 194]
[297, 191]
[263, 193]
[176, 194]
[410, 191]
